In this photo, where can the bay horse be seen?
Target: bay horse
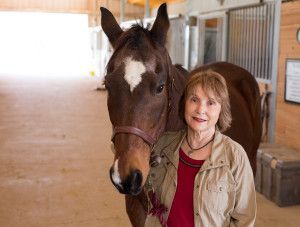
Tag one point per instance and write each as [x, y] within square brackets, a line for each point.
[143, 96]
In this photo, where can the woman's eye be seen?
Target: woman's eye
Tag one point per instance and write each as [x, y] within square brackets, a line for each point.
[194, 99]
[160, 88]
[210, 102]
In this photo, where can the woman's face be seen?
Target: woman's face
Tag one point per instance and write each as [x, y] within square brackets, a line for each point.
[202, 110]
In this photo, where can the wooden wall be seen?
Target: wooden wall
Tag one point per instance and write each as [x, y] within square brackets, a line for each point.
[287, 128]
[90, 7]
[132, 12]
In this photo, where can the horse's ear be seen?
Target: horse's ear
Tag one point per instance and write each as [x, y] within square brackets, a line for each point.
[110, 26]
[161, 25]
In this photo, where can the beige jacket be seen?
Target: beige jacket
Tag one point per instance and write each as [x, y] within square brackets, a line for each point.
[224, 193]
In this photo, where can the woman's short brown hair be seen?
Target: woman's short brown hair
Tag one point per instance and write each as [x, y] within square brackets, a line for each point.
[210, 81]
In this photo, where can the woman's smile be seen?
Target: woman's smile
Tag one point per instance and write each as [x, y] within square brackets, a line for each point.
[200, 120]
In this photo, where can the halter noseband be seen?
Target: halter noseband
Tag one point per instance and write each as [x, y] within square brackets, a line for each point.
[133, 130]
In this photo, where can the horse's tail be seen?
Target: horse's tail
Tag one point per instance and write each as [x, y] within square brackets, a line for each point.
[250, 90]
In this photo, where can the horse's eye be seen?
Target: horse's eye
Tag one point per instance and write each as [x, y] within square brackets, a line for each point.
[160, 88]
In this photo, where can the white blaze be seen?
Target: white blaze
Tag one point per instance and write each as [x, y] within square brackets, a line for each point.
[133, 72]
[115, 175]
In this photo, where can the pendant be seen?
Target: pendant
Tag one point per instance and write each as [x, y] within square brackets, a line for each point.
[190, 152]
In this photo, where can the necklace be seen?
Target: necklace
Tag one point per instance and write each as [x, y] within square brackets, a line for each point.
[194, 149]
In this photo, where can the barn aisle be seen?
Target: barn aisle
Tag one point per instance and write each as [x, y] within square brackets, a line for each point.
[55, 155]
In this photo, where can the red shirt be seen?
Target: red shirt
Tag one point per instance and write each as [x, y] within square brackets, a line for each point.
[182, 210]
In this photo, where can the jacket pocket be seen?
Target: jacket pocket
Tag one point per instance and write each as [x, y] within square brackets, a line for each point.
[221, 196]
[220, 186]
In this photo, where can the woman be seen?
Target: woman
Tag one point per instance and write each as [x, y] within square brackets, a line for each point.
[204, 178]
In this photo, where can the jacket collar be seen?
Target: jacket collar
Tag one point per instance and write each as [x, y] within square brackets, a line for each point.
[172, 147]
[216, 159]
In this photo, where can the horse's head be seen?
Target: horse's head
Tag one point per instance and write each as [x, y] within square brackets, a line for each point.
[137, 82]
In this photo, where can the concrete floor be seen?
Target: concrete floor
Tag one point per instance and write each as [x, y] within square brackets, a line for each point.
[55, 156]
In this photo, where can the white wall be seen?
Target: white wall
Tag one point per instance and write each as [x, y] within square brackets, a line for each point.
[173, 9]
[179, 8]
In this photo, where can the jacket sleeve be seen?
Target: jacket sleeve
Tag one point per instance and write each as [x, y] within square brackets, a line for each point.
[244, 212]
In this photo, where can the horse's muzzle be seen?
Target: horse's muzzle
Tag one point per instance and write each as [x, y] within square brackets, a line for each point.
[131, 186]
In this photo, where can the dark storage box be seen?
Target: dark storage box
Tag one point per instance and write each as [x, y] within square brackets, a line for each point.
[278, 174]
[264, 147]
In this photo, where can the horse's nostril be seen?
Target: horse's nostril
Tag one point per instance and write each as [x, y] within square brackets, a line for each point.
[136, 177]
[133, 184]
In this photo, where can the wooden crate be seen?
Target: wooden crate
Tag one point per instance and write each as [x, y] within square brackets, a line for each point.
[278, 174]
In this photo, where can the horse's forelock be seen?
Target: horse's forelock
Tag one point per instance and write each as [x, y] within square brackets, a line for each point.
[135, 42]
[133, 37]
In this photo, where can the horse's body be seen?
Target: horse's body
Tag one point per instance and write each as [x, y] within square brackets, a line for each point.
[144, 91]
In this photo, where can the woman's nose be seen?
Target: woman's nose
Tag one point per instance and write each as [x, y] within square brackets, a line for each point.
[201, 108]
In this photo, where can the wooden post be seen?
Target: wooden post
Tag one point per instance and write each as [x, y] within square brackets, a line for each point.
[147, 9]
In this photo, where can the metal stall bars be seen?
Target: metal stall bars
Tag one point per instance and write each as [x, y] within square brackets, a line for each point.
[250, 39]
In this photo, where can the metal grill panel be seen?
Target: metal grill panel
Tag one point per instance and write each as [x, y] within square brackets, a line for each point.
[250, 39]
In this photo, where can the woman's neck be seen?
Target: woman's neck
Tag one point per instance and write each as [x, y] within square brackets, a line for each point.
[198, 138]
